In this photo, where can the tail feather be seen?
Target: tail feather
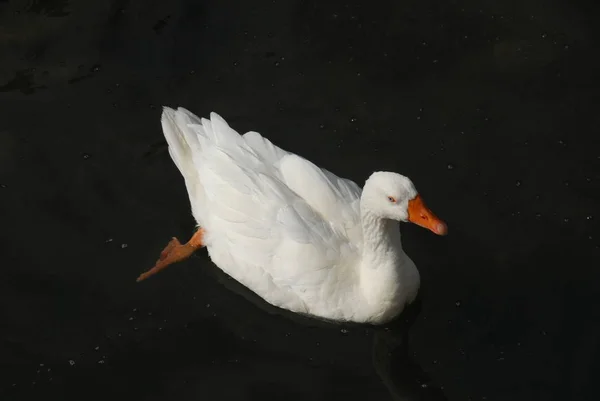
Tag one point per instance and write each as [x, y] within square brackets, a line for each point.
[188, 135]
[184, 148]
[178, 147]
[222, 132]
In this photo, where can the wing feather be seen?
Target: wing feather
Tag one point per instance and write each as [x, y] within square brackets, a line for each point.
[275, 220]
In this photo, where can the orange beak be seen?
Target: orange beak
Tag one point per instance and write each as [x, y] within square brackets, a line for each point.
[419, 214]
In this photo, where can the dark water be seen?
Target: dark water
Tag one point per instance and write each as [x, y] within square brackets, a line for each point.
[488, 106]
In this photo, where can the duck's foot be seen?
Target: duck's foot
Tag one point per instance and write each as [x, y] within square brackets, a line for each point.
[175, 252]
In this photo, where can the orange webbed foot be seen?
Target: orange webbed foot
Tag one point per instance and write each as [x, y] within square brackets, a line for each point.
[174, 252]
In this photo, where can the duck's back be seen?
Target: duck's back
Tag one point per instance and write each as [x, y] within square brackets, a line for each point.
[275, 222]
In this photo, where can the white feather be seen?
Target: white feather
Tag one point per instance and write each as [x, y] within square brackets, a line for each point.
[274, 221]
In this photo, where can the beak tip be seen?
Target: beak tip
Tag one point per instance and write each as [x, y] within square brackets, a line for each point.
[441, 229]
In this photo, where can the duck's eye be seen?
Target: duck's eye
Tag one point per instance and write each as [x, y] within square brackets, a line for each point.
[392, 199]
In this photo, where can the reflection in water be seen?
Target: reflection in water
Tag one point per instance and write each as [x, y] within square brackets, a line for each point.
[400, 373]
[403, 377]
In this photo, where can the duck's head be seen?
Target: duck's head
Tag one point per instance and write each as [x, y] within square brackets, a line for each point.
[393, 196]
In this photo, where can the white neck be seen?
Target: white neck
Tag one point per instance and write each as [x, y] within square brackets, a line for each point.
[388, 278]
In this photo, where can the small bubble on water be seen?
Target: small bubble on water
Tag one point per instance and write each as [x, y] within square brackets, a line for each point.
[2, 185]
[544, 36]
[518, 183]
[352, 119]
[131, 318]
[457, 303]
[71, 362]
[123, 246]
[41, 365]
[450, 166]
[100, 361]
[590, 217]
[344, 331]
[109, 240]
[276, 64]
[566, 219]
[97, 348]
[85, 156]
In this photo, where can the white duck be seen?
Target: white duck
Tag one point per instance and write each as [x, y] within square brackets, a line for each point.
[297, 235]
